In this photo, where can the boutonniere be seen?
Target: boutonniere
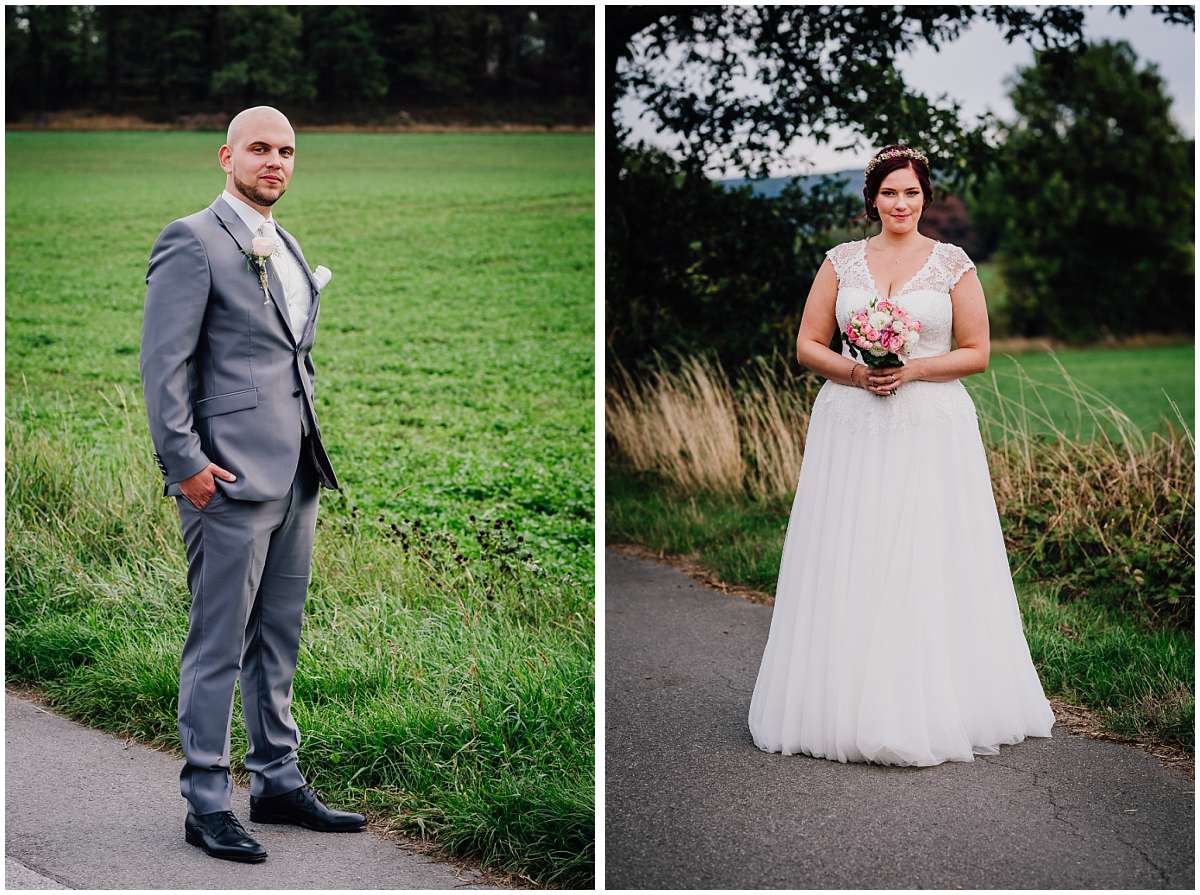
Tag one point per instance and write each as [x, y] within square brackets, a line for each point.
[322, 275]
[260, 250]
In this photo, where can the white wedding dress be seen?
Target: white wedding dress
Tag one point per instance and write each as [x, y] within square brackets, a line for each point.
[896, 636]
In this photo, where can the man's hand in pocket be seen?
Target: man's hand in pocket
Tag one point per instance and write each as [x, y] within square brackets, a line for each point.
[200, 488]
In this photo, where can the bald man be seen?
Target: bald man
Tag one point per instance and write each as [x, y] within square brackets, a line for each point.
[230, 317]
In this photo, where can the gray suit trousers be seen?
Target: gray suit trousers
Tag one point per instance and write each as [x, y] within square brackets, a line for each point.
[248, 571]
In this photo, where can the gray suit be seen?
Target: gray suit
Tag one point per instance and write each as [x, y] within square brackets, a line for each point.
[226, 382]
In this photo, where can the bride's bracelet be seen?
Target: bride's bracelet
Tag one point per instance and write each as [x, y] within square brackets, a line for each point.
[854, 370]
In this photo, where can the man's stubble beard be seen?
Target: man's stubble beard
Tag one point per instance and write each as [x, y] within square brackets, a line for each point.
[251, 192]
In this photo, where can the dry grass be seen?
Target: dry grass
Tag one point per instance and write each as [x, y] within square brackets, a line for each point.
[690, 426]
[684, 425]
[1084, 482]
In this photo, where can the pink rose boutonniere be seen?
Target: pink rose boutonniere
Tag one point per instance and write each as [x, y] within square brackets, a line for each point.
[260, 250]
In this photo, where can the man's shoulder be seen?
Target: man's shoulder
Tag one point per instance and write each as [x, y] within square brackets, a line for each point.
[202, 225]
[197, 221]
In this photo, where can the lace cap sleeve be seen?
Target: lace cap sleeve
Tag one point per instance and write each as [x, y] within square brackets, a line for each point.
[839, 256]
[957, 264]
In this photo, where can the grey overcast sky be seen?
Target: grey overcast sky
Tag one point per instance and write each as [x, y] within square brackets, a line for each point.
[972, 70]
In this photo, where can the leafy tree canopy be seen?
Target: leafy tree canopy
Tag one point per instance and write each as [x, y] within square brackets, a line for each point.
[738, 84]
[1091, 201]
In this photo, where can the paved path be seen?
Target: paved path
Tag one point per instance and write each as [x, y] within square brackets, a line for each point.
[690, 802]
[85, 810]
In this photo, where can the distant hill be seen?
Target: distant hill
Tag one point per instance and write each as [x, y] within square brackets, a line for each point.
[770, 187]
[947, 219]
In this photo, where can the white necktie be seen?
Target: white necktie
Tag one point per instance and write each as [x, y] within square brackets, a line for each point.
[267, 231]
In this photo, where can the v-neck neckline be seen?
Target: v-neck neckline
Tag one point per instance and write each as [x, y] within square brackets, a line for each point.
[899, 292]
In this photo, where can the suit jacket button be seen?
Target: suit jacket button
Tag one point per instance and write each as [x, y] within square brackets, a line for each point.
[297, 393]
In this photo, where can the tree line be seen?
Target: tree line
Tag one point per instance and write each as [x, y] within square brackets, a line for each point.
[336, 63]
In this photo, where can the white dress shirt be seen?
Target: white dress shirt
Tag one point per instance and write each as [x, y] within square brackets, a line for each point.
[296, 287]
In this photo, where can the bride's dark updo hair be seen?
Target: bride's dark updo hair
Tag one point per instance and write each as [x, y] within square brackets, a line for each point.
[889, 159]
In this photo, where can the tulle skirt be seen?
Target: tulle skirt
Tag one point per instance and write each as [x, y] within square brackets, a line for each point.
[896, 636]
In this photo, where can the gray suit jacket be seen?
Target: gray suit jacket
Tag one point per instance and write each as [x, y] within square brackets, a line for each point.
[223, 377]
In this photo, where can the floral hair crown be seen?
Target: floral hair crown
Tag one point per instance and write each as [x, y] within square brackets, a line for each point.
[904, 152]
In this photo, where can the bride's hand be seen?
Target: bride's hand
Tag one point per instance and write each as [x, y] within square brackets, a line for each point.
[885, 380]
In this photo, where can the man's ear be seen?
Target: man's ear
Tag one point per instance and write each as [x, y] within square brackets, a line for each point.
[225, 158]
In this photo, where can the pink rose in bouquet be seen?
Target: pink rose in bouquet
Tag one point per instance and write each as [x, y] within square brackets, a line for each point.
[882, 334]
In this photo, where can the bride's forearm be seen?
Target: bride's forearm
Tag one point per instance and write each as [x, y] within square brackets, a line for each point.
[826, 362]
[954, 365]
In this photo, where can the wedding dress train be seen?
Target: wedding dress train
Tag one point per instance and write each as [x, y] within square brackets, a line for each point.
[896, 636]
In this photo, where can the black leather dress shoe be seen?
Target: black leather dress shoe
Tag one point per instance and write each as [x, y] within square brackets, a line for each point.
[222, 836]
[303, 808]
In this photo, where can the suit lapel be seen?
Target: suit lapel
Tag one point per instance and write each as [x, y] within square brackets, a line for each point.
[241, 235]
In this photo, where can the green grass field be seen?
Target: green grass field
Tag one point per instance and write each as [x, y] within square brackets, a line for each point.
[1137, 380]
[446, 675]
[1142, 382]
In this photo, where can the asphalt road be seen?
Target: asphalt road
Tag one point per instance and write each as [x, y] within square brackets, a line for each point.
[690, 802]
[85, 810]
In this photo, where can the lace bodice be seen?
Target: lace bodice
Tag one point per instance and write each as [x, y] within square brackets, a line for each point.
[926, 296]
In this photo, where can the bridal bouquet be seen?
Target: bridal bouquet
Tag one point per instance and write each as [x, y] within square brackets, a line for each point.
[882, 334]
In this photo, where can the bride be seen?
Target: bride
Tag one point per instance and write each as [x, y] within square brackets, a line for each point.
[896, 636]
